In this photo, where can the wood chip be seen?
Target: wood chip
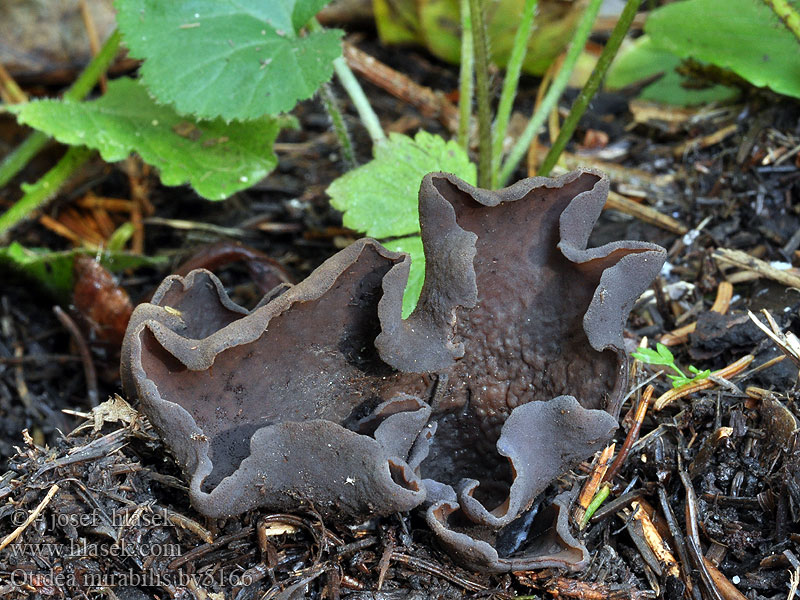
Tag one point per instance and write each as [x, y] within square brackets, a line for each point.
[705, 141]
[645, 213]
[654, 540]
[721, 305]
[593, 483]
[742, 260]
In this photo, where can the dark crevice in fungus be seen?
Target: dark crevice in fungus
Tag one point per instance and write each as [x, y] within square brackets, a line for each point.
[509, 372]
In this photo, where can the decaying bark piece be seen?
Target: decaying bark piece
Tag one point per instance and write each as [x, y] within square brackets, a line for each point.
[323, 393]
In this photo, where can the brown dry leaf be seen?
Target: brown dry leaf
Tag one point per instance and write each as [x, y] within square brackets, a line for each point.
[113, 410]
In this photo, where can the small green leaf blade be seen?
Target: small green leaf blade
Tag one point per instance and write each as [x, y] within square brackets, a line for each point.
[380, 198]
[120, 237]
[235, 59]
[215, 158]
[54, 270]
[649, 356]
[742, 35]
[665, 353]
[679, 380]
[416, 277]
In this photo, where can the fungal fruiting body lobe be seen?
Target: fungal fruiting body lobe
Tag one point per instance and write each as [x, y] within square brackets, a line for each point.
[509, 372]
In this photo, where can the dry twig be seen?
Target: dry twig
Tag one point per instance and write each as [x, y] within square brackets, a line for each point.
[426, 566]
[31, 517]
[654, 540]
[742, 260]
[693, 538]
[559, 586]
[787, 342]
[89, 372]
[592, 484]
[633, 434]
[644, 213]
[705, 141]
[726, 588]
[794, 581]
[10, 92]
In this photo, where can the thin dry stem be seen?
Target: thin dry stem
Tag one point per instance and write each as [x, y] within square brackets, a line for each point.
[31, 517]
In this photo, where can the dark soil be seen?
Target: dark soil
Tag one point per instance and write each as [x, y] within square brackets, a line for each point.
[723, 461]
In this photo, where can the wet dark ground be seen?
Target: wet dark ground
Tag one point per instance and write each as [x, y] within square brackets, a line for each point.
[738, 446]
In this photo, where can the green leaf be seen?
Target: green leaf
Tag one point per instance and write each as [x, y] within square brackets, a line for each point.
[120, 237]
[665, 353]
[742, 35]
[663, 356]
[416, 277]
[236, 59]
[649, 356]
[642, 59]
[380, 198]
[679, 380]
[286, 16]
[54, 269]
[215, 158]
[436, 24]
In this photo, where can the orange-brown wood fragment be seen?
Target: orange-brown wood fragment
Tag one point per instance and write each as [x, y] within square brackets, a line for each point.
[100, 300]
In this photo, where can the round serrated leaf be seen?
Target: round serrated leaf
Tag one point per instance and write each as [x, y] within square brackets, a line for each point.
[235, 59]
[216, 158]
[380, 197]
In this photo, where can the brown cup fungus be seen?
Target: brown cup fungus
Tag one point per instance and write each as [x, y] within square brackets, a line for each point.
[509, 372]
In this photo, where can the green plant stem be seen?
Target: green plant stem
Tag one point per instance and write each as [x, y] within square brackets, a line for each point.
[465, 76]
[510, 83]
[787, 14]
[481, 53]
[553, 94]
[356, 93]
[592, 85]
[675, 368]
[95, 69]
[359, 98]
[46, 187]
[16, 161]
[339, 126]
[596, 502]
